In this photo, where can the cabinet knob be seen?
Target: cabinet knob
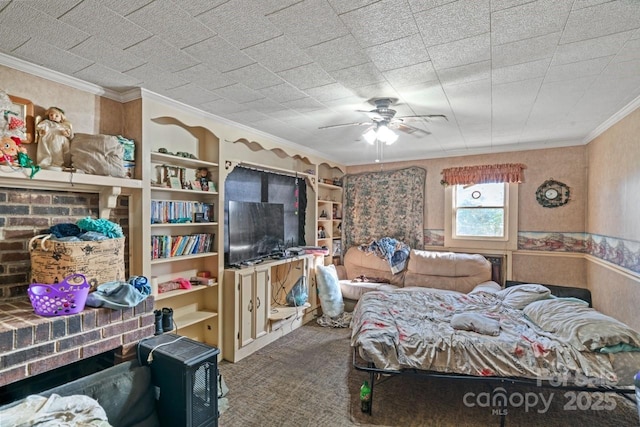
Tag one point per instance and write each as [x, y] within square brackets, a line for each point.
[250, 307]
[257, 302]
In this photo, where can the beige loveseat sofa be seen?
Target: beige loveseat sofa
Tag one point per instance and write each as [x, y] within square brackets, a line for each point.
[442, 270]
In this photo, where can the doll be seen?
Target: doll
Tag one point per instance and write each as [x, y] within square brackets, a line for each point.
[10, 147]
[203, 175]
[53, 135]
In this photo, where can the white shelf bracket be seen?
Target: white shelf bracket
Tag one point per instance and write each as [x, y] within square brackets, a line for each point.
[108, 200]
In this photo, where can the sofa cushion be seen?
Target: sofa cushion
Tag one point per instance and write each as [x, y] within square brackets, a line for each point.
[446, 270]
[354, 290]
[359, 263]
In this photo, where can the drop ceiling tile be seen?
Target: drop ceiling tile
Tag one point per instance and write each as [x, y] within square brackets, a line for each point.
[465, 73]
[197, 7]
[240, 22]
[247, 116]
[358, 76]
[39, 26]
[193, 94]
[309, 23]
[337, 54]
[156, 79]
[41, 53]
[591, 67]
[630, 51]
[461, 52]
[454, 21]
[526, 71]
[106, 54]
[157, 52]
[306, 76]
[278, 54]
[304, 105]
[379, 89]
[421, 5]
[11, 37]
[205, 77]
[173, 25]
[110, 26]
[343, 6]
[238, 93]
[255, 76]
[410, 75]
[222, 106]
[219, 54]
[265, 106]
[506, 4]
[589, 49]
[622, 69]
[398, 53]
[471, 101]
[282, 93]
[110, 79]
[524, 50]
[529, 20]
[581, 4]
[329, 92]
[55, 8]
[122, 7]
[392, 15]
[602, 20]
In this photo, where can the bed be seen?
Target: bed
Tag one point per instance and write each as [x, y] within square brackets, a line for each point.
[518, 334]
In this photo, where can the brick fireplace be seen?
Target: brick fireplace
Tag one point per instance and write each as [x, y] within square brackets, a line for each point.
[32, 345]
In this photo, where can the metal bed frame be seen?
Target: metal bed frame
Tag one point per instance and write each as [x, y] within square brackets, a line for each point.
[492, 382]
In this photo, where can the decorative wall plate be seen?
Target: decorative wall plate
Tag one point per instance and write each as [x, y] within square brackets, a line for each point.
[552, 194]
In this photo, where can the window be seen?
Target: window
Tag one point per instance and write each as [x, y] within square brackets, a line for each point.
[479, 211]
[481, 216]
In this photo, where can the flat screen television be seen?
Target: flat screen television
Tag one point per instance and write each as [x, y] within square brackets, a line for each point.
[256, 230]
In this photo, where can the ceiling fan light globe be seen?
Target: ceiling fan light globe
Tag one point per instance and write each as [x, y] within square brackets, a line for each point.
[386, 135]
[393, 137]
[370, 136]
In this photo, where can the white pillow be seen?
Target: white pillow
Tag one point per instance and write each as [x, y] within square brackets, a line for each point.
[520, 296]
[329, 290]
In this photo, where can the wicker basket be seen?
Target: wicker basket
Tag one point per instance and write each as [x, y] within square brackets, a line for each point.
[100, 261]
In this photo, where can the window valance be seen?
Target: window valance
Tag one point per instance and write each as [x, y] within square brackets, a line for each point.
[482, 174]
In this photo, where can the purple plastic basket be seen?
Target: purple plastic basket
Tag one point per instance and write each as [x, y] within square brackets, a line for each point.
[60, 299]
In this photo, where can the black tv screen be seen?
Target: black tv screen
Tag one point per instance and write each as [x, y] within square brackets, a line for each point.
[256, 230]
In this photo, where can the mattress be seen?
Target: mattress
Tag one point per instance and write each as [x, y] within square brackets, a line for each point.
[411, 328]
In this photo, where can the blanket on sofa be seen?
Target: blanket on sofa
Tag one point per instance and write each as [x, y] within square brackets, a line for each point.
[55, 411]
[392, 250]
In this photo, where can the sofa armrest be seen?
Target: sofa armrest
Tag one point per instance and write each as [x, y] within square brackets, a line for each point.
[342, 272]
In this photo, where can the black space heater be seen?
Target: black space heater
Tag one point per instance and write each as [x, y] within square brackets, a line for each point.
[185, 372]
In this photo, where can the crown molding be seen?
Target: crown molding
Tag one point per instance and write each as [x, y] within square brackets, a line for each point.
[625, 111]
[210, 116]
[138, 93]
[55, 76]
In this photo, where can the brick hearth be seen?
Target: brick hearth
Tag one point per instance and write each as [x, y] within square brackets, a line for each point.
[31, 344]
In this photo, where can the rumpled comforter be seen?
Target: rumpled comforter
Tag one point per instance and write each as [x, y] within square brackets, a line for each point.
[55, 411]
[411, 328]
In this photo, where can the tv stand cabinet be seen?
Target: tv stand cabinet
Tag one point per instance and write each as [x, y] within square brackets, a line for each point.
[255, 311]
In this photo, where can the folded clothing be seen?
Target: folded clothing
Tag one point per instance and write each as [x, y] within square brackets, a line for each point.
[118, 295]
[475, 322]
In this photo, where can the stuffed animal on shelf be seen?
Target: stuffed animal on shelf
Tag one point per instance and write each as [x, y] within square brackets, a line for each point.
[13, 154]
[10, 147]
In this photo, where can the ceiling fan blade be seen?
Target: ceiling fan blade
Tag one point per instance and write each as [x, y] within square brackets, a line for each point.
[424, 116]
[402, 127]
[345, 124]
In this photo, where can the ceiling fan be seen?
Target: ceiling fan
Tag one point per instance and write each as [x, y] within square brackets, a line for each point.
[384, 116]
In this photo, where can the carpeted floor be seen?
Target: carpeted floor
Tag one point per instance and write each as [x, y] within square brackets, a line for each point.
[306, 379]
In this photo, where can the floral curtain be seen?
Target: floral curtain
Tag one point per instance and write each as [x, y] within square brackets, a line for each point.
[384, 204]
[465, 175]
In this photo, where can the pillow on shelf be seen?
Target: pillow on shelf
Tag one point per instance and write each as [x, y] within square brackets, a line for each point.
[329, 290]
[97, 155]
[581, 326]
